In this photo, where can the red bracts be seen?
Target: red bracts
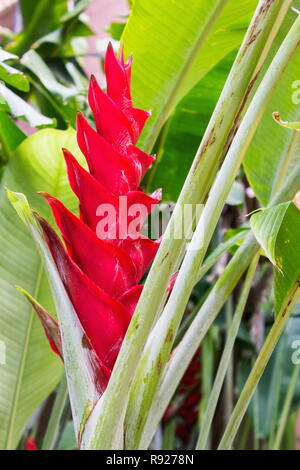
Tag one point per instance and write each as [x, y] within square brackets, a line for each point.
[103, 257]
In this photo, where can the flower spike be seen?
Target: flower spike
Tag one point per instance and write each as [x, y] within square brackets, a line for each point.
[103, 255]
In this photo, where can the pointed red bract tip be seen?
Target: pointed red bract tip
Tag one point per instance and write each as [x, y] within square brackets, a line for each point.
[30, 444]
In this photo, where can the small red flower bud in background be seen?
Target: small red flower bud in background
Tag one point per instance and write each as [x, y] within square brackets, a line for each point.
[30, 444]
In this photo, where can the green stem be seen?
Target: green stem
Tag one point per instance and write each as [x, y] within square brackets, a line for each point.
[286, 407]
[256, 416]
[207, 362]
[225, 359]
[244, 434]
[158, 350]
[258, 369]
[57, 410]
[169, 434]
[229, 383]
[184, 353]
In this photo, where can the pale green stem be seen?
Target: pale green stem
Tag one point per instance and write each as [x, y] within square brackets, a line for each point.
[169, 434]
[157, 351]
[207, 362]
[225, 359]
[185, 351]
[258, 369]
[244, 434]
[56, 413]
[221, 248]
[286, 407]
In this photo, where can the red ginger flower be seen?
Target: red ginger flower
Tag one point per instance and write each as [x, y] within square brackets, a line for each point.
[101, 270]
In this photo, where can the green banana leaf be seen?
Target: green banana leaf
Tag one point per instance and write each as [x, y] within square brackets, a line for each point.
[200, 39]
[266, 163]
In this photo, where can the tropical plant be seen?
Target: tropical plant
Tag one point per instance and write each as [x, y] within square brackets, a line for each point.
[182, 354]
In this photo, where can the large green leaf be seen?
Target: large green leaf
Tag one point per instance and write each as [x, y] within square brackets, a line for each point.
[185, 130]
[278, 231]
[274, 150]
[174, 45]
[31, 370]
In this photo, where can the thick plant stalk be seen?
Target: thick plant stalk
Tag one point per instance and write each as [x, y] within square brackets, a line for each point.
[54, 422]
[185, 351]
[157, 352]
[225, 359]
[258, 369]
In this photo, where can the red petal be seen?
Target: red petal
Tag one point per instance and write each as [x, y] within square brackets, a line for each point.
[103, 319]
[30, 444]
[138, 118]
[107, 265]
[51, 329]
[126, 65]
[118, 88]
[141, 160]
[111, 123]
[142, 252]
[118, 85]
[130, 298]
[115, 172]
[126, 215]
[90, 193]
